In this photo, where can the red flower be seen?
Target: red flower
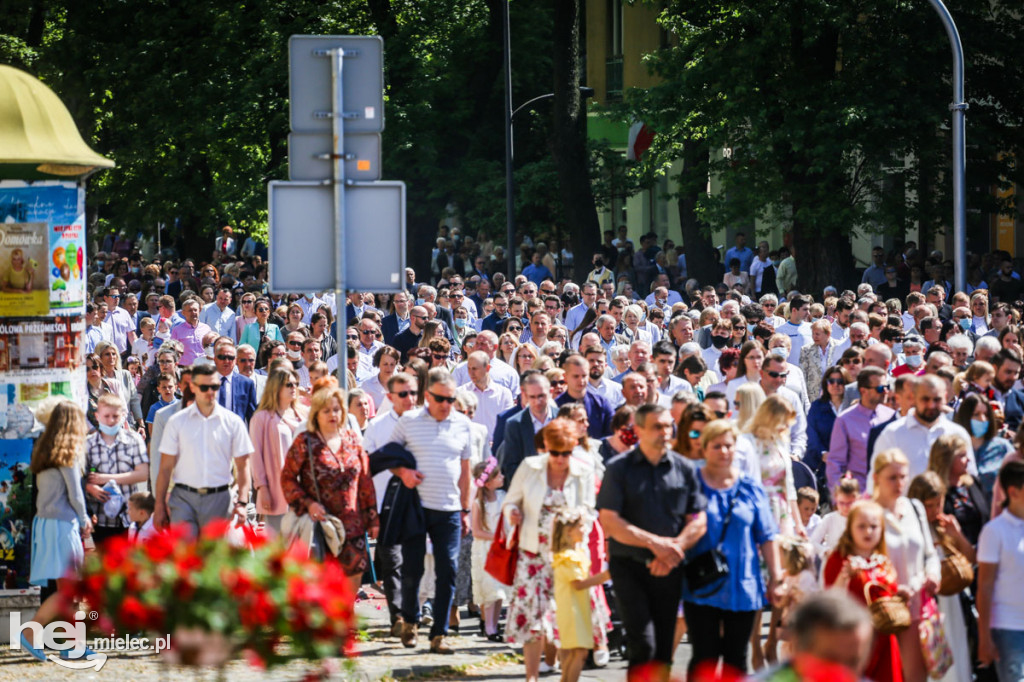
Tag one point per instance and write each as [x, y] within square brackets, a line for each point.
[239, 583]
[255, 660]
[257, 610]
[521, 620]
[132, 614]
[215, 530]
[532, 570]
[814, 669]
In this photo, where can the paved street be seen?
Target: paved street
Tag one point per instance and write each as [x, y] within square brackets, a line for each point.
[382, 658]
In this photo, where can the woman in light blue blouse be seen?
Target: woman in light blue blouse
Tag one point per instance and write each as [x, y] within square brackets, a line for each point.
[720, 615]
[254, 333]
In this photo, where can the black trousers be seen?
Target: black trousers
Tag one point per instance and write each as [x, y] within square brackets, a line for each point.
[648, 606]
[718, 634]
[389, 572]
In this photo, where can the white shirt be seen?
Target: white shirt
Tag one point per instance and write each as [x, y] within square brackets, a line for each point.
[375, 389]
[839, 333]
[607, 389]
[915, 440]
[491, 402]
[378, 434]
[310, 306]
[1002, 543]
[911, 552]
[439, 448]
[673, 298]
[575, 316]
[539, 424]
[205, 446]
[675, 384]
[501, 374]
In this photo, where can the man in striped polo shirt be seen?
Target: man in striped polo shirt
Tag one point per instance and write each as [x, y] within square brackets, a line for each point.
[439, 438]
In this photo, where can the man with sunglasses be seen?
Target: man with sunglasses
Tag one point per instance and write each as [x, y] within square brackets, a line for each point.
[774, 372]
[245, 360]
[848, 446]
[518, 441]
[118, 321]
[198, 447]
[237, 392]
[401, 392]
[410, 338]
[440, 438]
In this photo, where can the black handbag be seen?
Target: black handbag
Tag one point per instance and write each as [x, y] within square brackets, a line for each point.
[710, 568]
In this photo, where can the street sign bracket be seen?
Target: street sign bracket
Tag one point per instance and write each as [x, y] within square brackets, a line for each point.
[347, 54]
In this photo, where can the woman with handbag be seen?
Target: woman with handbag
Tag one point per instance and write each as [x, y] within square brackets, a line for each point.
[272, 430]
[957, 557]
[723, 589]
[860, 565]
[327, 474]
[542, 485]
[912, 553]
[965, 499]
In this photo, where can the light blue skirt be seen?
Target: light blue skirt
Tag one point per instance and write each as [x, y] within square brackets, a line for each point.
[56, 549]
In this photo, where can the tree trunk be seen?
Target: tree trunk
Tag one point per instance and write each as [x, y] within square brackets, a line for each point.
[700, 252]
[821, 260]
[568, 139]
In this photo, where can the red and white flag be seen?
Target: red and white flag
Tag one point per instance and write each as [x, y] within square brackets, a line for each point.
[640, 138]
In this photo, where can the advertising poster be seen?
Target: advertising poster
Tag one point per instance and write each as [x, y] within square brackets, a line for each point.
[49, 218]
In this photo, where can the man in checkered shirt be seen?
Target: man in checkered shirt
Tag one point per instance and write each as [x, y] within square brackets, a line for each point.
[113, 453]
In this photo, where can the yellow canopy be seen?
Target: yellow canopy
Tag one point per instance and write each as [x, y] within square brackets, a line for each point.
[38, 137]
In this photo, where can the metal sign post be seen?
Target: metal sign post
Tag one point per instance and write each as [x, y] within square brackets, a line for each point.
[338, 158]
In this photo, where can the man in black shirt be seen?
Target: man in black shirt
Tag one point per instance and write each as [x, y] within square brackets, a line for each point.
[652, 510]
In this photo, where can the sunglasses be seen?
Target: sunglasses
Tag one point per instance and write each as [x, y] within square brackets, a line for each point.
[558, 383]
[721, 415]
[263, 310]
[853, 362]
[560, 453]
[516, 329]
[246, 360]
[440, 356]
[403, 394]
[205, 387]
[836, 382]
[226, 358]
[450, 399]
[95, 365]
[694, 434]
[882, 390]
[367, 332]
[290, 384]
[778, 375]
[298, 344]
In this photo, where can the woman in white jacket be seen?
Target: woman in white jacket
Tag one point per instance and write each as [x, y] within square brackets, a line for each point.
[541, 486]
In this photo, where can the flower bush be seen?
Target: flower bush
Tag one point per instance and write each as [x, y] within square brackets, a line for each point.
[254, 596]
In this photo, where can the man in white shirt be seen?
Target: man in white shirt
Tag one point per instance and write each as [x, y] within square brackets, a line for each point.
[760, 263]
[665, 299]
[492, 398]
[664, 362]
[441, 440]
[310, 354]
[368, 344]
[500, 372]
[774, 372]
[245, 361]
[598, 381]
[220, 317]
[915, 433]
[401, 392]
[769, 302]
[841, 322]
[198, 447]
[118, 320]
[309, 303]
[796, 327]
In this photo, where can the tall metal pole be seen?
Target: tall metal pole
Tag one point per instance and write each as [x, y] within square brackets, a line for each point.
[959, 109]
[510, 189]
[338, 161]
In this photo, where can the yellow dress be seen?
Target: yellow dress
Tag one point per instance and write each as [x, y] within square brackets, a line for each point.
[575, 630]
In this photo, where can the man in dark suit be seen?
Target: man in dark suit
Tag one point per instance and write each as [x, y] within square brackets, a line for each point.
[355, 308]
[491, 322]
[237, 392]
[395, 323]
[522, 427]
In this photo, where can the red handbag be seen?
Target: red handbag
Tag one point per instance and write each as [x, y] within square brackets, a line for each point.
[502, 556]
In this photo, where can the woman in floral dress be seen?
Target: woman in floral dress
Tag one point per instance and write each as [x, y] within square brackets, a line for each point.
[541, 486]
[343, 485]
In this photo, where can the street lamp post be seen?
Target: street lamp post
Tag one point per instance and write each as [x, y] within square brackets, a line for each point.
[959, 109]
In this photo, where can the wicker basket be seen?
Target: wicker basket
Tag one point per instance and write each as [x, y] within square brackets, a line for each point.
[889, 613]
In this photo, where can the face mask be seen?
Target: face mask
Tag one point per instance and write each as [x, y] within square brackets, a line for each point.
[979, 428]
[750, 329]
[110, 430]
[719, 341]
[459, 322]
[99, 264]
[136, 271]
[965, 324]
[599, 263]
[294, 354]
[420, 301]
[629, 436]
[914, 360]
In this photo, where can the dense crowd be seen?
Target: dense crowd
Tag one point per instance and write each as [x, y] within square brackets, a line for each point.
[635, 456]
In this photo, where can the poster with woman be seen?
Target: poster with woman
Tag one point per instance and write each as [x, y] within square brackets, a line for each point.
[24, 251]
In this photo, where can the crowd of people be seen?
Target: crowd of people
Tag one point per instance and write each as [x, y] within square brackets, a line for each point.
[662, 459]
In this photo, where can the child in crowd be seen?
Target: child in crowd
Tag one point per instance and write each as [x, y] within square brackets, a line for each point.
[145, 347]
[977, 378]
[807, 502]
[488, 593]
[826, 534]
[140, 512]
[134, 367]
[1000, 576]
[573, 582]
[798, 560]
[165, 386]
[860, 564]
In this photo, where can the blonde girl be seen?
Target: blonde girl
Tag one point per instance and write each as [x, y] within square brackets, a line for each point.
[488, 593]
[573, 582]
[826, 534]
[748, 398]
[977, 378]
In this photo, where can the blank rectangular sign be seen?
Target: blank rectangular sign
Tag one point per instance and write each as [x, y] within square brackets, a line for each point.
[309, 83]
[302, 236]
[305, 148]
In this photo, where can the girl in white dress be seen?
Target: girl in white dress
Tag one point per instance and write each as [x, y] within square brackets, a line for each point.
[488, 593]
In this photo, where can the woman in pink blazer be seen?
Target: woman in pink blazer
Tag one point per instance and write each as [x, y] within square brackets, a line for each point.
[272, 429]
